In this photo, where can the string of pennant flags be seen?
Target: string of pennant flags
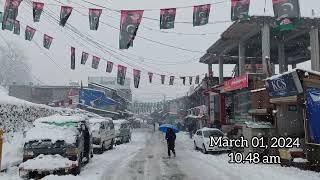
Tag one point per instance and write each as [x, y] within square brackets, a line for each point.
[130, 20]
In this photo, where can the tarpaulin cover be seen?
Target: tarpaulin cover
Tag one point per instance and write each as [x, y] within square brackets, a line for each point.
[95, 98]
[313, 113]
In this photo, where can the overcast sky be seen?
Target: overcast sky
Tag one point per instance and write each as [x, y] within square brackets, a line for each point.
[153, 57]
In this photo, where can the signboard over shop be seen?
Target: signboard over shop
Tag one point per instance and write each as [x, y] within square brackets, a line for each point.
[284, 85]
[236, 83]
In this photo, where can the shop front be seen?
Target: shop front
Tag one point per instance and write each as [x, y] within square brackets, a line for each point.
[296, 96]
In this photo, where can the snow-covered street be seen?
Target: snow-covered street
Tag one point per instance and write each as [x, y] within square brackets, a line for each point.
[145, 158]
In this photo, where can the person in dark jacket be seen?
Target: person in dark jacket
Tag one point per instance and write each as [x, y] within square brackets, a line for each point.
[171, 137]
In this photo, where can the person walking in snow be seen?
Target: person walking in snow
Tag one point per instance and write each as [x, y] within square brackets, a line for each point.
[171, 137]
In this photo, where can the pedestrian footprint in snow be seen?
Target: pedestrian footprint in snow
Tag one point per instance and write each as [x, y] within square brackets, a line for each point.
[171, 137]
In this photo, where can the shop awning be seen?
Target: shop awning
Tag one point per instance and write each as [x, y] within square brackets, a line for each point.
[289, 99]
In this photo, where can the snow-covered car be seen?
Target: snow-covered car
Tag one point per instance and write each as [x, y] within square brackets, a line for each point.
[68, 136]
[201, 140]
[103, 133]
[123, 131]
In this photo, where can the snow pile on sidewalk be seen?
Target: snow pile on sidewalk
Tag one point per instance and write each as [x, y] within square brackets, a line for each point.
[47, 162]
[12, 150]
[68, 177]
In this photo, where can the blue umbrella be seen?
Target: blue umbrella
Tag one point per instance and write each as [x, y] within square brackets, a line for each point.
[165, 127]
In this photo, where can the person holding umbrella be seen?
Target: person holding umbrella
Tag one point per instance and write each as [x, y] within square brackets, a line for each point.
[171, 137]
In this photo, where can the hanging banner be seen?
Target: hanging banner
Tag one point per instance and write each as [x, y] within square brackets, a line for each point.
[163, 77]
[183, 80]
[65, 13]
[95, 62]
[201, 14]
[286, 9]
[16, 27]
[29, 33]
[129, 24]
[236, 83]
[197, 79]
[167, 18]
[190, 80]
[136, 77]
[171, 80]
[239, 9]
[121, 76]
[150, 77]
[109, 66]
[10, 13]
[313, 113]
[73, 58]
[94, 16]
[37, 11]
[47, 40]
[84, 58]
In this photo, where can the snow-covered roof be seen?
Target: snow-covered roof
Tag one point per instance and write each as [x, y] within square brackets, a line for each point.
[47, 162]
[260, 125]
[54, 133]
[120, 121]
[209, 129]
[99, 120]
[6, 99]
[288, 72]
[61, 119]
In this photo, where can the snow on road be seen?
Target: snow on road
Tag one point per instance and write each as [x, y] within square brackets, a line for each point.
[145, 158]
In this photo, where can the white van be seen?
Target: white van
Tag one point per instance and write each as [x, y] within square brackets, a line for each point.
[123, 131]
[103, 133]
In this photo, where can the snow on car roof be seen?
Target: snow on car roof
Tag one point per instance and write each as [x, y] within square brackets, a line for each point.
[61, 119]
[54, 133]
[209, 129]
[47, 162]
[120, 121]
[99, 120]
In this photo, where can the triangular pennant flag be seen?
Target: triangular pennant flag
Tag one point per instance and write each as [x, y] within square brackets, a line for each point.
[239, 9]
[94, 16]
[190, 80]
[183, 80]
[109, 66]
[167, 18]
[163, 77]
[201, 14]
[65, 13]
[136, 77]
[73, 58]
[121, 76]
[37, 10]
[171, 80]
[197, 79]
[286, 9]
[47, 41]
[84, 57]
[16, 27]
[29, 33]
[95, 62]
[150, 74]
[129, 24]
[10, 14]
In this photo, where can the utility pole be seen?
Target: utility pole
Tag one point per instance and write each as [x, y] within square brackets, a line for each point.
[164, 101]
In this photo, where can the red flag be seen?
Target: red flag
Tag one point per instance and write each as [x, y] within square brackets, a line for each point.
[171, 80]
[109, 66]
[163, 77]
[183, 80]
[47, 40]
[10, 13]
[73, 58]
[129, 24]
[37, 10]
[95, 62]
[16, 27]
[136, 77]
[150, 76]
[121, 76]
[84, 57]
[286, 9]
[201, 14]
[94, 16]
[239, 9]
[167, 18]
[65, 13]
[197, 79]
[190, 80]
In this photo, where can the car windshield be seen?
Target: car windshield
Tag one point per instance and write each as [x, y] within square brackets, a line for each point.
[213, 133]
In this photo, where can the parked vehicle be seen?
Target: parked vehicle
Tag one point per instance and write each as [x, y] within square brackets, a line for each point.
[103, 133]
[123, 131]
[201, 140]
[67, 136]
